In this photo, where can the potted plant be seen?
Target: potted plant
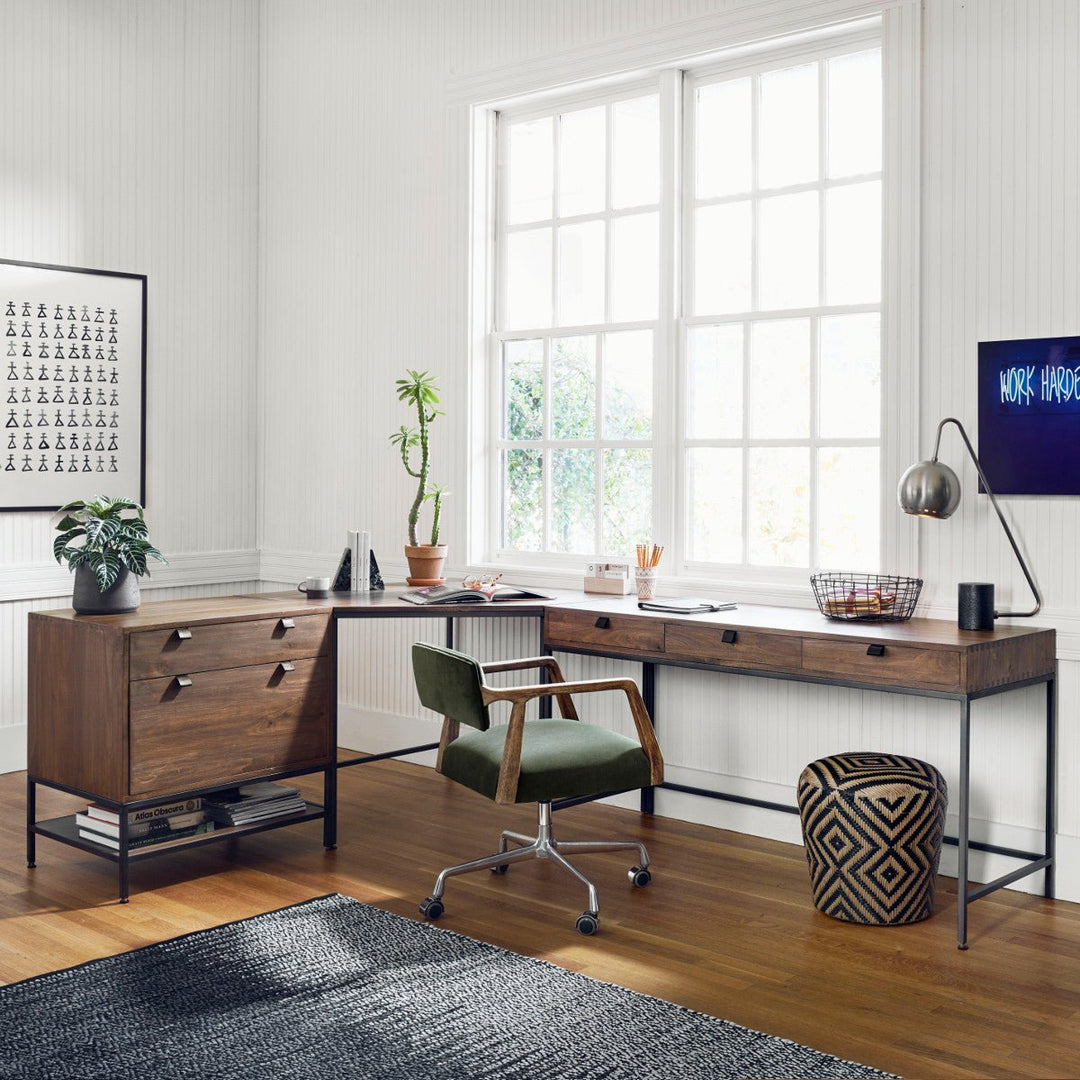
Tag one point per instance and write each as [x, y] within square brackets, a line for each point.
[111, 557]
[421, 392]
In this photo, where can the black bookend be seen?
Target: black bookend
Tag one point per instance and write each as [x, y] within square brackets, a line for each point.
[376, 577]
[343, 577]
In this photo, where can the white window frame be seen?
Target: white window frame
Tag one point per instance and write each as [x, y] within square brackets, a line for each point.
[482, 94]
[665, 86]
[846, 43]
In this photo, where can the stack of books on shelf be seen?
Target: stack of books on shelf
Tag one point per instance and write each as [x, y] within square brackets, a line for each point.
[147, 826]
[252, 803]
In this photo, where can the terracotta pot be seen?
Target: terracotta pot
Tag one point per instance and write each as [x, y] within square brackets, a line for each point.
[88, 599]
[426, 564]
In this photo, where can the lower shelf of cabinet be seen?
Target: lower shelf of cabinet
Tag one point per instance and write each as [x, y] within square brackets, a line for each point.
[66, 831]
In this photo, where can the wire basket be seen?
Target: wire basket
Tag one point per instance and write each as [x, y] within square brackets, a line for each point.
[866, 597]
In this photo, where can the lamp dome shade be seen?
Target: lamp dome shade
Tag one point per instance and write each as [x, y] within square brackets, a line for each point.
[929, 489]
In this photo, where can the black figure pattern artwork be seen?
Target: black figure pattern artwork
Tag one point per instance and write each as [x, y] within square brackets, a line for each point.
[72, 361]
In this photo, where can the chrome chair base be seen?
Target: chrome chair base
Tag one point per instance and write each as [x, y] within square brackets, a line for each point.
[544, 846]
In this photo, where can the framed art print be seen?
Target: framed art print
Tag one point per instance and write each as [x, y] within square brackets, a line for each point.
[73, 385]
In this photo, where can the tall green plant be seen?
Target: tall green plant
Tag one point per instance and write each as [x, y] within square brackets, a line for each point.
[113, 534]
[421, 392]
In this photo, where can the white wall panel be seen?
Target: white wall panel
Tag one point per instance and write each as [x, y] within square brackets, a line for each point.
[130, 137]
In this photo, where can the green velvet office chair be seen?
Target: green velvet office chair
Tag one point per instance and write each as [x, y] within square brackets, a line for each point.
[533, 761]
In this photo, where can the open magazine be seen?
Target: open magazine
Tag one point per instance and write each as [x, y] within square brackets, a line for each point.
[460, 594]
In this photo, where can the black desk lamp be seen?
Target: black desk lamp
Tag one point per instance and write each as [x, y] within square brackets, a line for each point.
[932, 489]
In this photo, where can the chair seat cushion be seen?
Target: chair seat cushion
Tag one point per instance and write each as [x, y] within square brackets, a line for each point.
[560, 759]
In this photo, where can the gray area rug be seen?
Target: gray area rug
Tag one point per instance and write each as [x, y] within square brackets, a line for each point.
[332, 988]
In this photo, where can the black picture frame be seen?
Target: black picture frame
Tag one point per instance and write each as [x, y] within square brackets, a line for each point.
[72, 426]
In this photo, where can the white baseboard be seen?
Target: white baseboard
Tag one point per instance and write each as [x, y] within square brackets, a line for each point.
[13, 748]
[379, 733]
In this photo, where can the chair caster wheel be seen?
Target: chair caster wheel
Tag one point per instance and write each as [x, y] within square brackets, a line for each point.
[501, 868]
[639, 876]
[587, 923]
[431, 908]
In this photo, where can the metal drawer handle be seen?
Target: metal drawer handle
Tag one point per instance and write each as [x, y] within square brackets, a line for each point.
[729, 637]
[183, 633]
[287, 624]
[603, 623]
[875, 650]
[182, 680]
[285, 666]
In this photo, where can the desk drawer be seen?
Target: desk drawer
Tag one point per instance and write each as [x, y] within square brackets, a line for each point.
[902, 665]
[749, 649]
[226, 645]
[615, 634]
[228, 725]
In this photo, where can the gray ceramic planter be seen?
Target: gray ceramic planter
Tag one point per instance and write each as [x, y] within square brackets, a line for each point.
[87, 599]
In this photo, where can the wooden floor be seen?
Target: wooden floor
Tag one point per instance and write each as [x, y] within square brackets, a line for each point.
[726, 927]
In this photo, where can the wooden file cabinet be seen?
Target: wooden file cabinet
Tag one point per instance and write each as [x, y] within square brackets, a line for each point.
[177, 699]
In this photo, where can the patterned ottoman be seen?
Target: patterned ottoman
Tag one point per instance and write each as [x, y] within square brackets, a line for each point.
[872, 825]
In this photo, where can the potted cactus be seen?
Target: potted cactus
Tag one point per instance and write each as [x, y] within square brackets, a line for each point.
[112, 554]
[420, 391]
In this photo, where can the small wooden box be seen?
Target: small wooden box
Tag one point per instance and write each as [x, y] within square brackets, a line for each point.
[615, 586]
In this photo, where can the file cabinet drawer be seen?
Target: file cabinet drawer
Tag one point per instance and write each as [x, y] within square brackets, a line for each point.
[225, 726]
[599, 632]
[181, 650]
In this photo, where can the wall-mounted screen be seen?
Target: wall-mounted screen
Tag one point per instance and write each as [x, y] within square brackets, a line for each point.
[1029, 415]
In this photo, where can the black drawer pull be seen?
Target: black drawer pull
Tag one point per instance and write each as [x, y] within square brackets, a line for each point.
[288, 624]
[183, 633]
[729, 637]
[603, 623]
[875, 650]
[181, 681]
[286, 666]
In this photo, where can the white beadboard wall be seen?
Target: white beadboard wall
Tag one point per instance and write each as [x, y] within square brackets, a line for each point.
[130, 142]
[365, 184]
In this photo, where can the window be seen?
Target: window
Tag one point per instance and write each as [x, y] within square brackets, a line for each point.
[739, 422]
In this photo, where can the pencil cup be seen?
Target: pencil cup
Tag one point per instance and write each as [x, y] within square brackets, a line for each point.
[645, 579]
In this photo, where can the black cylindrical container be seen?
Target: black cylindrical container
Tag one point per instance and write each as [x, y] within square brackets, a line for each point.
[975, 605]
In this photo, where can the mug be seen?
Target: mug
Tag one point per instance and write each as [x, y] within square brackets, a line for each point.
[316, 588]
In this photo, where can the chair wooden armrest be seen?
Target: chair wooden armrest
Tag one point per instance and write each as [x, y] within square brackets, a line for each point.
[520, 696]
[566, 705]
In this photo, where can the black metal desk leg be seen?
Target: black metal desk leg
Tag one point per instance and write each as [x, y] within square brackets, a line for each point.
[648, 696]
[545, 701]
[31, 817]
[122, 862]
[962, 845]
[1051, 786]
[329, 832]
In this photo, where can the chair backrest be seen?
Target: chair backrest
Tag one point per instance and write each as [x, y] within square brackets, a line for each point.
[449, 682]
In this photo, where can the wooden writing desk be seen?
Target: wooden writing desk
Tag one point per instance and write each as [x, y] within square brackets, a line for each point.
[925, 657]
[184, 697]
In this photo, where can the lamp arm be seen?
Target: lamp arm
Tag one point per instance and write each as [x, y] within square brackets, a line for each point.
[1001, 517]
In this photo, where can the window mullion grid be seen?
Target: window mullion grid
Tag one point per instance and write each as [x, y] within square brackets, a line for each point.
[748, 325]
[815, 329]
[667, 464]
[598, 436]
[546, 463]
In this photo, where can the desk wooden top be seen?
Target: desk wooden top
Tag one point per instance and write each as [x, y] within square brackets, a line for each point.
[921, 655]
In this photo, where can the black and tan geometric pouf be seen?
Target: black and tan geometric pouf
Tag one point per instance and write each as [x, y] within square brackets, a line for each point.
[873, 825]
